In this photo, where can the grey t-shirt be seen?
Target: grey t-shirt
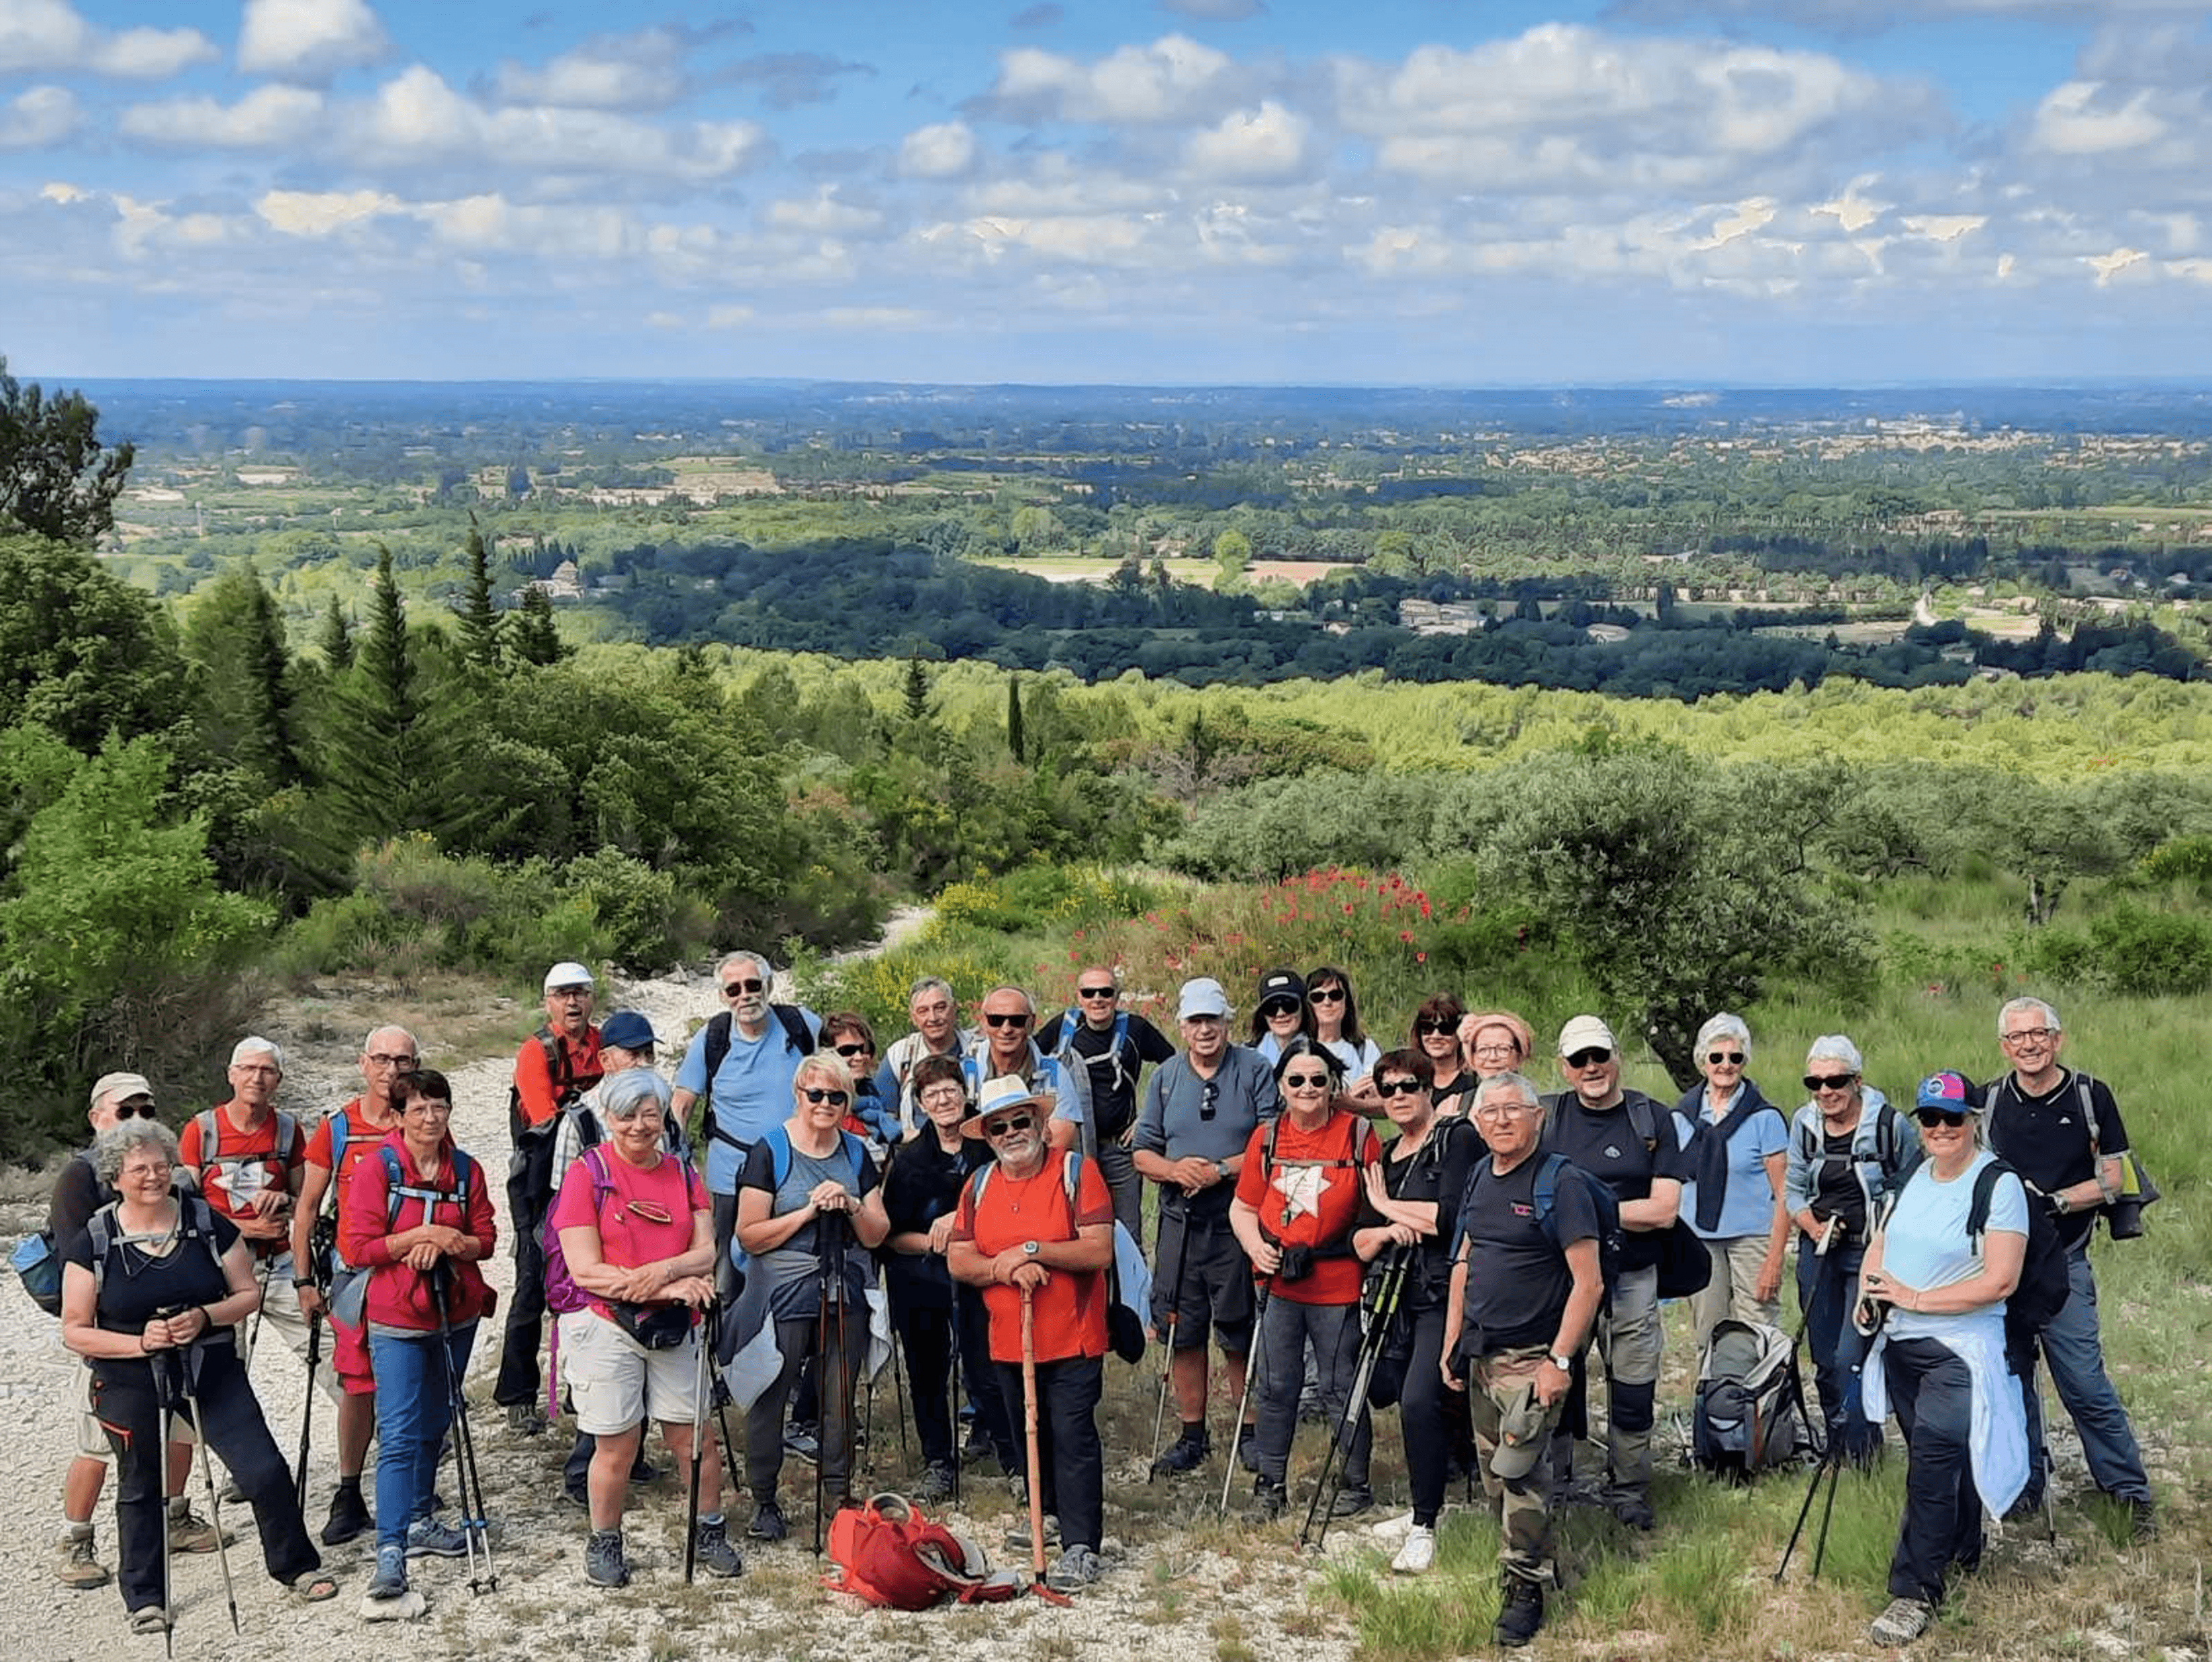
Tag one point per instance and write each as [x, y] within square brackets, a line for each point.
[1183, 1117]
[794, 1269]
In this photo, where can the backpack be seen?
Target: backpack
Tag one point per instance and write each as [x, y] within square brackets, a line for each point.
[1348, 1161]
[1603, 1198]
[1749, 1416]
[886, 1553]
[2122, 1213]
[195, 1222]
[349, 1293]
[287, 1152]
[1875, 1151]
[530, 1170]
[1128, 1297]
[2043, 1287]
[796, 1036]
[1121, 1048]
[1685, 1266]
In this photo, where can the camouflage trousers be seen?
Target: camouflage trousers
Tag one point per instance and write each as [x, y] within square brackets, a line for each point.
[1513, 1435]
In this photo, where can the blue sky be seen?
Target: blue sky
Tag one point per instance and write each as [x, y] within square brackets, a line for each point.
[1184, 190]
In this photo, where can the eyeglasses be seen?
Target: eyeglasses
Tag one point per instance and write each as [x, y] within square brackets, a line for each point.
[1495, 1050]
[739, 989]
[1305, 1082]
[382, 1059]
[1275, 1009]
[1209, 1100]
[943, 1095]
[426, 1105]
[856, 1049]
[639, 1111]
[1733, 1059]
[1015, 1018]
[1829, 1080]
[1435, 1027]
[142, 1108]
[1012, 1125]
[1950, 1118]
[1593, 1058]
[1326, 996]
[1504, 1110]
[1097, 992]
[570, 993]
[816, 1095]
[160, 1168]
[1389, 1087]
[2031, 1035]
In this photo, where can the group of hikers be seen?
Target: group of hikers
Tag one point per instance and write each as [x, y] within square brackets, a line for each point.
[1349, 1228]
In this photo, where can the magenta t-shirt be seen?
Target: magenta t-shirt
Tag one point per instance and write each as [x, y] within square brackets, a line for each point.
[628, 1237]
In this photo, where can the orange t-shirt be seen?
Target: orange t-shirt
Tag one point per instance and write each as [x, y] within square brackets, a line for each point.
[1310, 1197]
[1070, 1315]
[361, 1139]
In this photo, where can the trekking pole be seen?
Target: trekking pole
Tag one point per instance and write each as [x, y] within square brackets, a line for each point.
[953, 1403]
[253, 1332]
[308, 1410]
[207, 1476]
[698, 1444]
[476, 1528]
[1029, 1430]
[722, 1392]
[1167, 1358]
[1827, 1511]
[1252, 1371]
[167, 1421]
[1803, 1513]
[1387, 1291]
[830, 1288]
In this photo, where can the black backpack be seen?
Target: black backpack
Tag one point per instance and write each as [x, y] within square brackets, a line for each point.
[2043, 1287]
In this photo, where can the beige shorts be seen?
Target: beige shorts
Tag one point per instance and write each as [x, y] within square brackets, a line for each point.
[615, 1382]
[91, 1440]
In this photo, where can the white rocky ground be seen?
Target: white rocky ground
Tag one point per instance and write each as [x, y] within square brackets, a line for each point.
[1195, 1592]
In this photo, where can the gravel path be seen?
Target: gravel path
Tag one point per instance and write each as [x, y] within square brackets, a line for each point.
[1176, 1592]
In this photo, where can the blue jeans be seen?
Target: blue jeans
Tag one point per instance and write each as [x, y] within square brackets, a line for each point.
[2076, 1355]
[413, 1410]
[1826, 1289]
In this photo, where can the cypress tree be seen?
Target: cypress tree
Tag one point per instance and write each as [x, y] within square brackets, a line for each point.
[242, 676]
[536, 640]
[479, 622]
[336, 641]
[1014, 714]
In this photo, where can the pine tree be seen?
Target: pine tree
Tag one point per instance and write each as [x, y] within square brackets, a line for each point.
[1014, 715]
[917, 690]
[535, 639]
[336, 641]
[479, 622]
[242, 676]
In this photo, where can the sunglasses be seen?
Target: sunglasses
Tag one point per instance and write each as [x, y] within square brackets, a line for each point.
[1387, 1089]
[1209, 1100]
[651, 1211]
[1435, 1027]
[1306, 1082]
[1278, 1007]
[1829, 1080]
[1014, 1019]
[816, 1095]
[1733, 1059]
[1593, 1058]
[1326, 996]
[1012, 1125]
[1097, 992]
[134, 1110]
[856, 1049]
[738, 989]
[1931, 1119]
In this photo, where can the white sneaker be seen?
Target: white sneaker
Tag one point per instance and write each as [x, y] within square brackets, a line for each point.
[1393, 1529]
[1419, 1554]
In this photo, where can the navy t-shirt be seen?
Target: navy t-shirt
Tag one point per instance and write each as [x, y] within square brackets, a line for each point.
[1517, 1281]
[2043, 1138]
[1605, 1144]
[139, 1285]
[1113, 1078]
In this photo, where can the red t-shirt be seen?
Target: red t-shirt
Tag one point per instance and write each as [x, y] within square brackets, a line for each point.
[1070, 1309]
[362, 1138]
[627, 1237]
[1310, 1197]
[241, 1165]
[533, 1078]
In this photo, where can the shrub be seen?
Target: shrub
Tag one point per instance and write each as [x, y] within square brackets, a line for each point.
[2152, 953]
[2184, 859]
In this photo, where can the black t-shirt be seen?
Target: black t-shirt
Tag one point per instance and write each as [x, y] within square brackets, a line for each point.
[1437, 1171]
[923, 1184]
[78, 1193]
[1608, 1145]
[2045, 1139]
[1836, 1192]
[1113, 1077]
[1517, 1281]
[139, 1285]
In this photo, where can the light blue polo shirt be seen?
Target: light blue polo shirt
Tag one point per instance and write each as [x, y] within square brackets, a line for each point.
[1748, 1207]
[751, 1094]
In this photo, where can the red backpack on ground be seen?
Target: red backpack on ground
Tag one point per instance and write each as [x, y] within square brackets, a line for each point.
[887, 1553]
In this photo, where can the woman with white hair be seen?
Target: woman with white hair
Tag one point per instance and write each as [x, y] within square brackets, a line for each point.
[1848, 1151]
[1738, 1167]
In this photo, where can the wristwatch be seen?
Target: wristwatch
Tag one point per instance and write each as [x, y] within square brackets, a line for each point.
[1029, 1248]
[298, 1282]
[1221, 1168]
[2061, 1203]
[1564, 1364]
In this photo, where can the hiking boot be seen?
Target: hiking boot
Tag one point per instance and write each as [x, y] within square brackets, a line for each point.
[1419, 1555]
[802, 1444]
[1905, 1621]
[1018, 1538]
[768, 1524]
[390, 1581]
[937, 1484]
[75, 1564]
[1269, 1502]
[979, 1448]
[231, 1494]
[2143, 1522]
[1077, 1568]
[1247, 1448]
[1633, 1508]
[149, 1618]
[714, 1551]
[1187, 1453]
[524, 1419]
[1353, 1500]
[1521, 1614]
[604, 1566]
[190, 1533]
[433, 1537]
[349, 1516]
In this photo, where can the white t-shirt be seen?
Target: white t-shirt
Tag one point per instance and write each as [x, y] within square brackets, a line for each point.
[1358, 1059]
[1926, 1244]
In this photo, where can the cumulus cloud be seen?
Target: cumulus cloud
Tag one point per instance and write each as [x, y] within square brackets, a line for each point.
[1256, 146]
[2080, 117]
[308, 39]
[945, 150]
[270, 117]
[50, 37]
[643, 70]
[1176, 79]
[36, 118]
[320, 213]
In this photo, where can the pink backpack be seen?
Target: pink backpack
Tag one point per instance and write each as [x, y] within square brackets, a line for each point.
[562, 1293]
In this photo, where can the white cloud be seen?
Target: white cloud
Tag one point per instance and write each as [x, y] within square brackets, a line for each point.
[871, 317]
[270, 117]
[1944, 228]
[49, 36]
[1176, 79]
[824, 214]
[2068, 123]
[945, 150]
[728, 317]
[1256, 146]
[1853, 211]
[37, 118]
[2109, 266]
[308, 39]
[319, 213]
[640, 71]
